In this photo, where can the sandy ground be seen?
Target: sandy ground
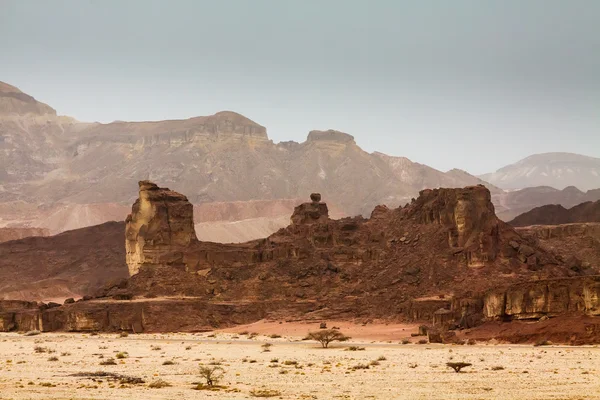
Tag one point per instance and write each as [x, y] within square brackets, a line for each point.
[409, 371]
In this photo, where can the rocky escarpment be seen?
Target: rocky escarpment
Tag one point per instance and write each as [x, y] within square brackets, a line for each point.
[550, 298]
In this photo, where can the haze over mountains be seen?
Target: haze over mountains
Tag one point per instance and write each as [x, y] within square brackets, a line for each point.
[58, 173]
[558, 170]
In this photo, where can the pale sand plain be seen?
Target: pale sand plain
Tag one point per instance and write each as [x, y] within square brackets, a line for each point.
[404, 371]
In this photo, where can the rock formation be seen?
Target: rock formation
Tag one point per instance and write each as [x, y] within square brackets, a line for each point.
[445, 257]
[159, 229]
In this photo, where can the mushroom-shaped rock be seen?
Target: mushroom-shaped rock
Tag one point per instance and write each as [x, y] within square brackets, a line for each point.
[311, 213]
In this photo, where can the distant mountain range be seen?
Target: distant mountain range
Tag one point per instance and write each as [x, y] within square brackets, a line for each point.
[58, 173]
[558, 170]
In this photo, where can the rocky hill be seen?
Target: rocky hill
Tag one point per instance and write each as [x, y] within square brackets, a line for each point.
[513, 203]
[557, 170]
[73, 264]
[555, 214]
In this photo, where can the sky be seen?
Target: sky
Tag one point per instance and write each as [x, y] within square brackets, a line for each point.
[467, 84]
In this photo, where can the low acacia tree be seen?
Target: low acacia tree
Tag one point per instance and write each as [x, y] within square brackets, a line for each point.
[457, 366]
[211, 374]
[327, 336]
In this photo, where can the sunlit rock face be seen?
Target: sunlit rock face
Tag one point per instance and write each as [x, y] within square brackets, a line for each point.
[159, 228]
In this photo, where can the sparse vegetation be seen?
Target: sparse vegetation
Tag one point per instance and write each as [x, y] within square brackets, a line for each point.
[360, 366]
[108, 361]
[123, 379]
[158, 384]
[354, 348]
[497, 368]
[123, 334]
[274, 336]
[53, 358]
[265, 393]
[168, 362]
[122, 354]
[40, 349]
[457, 366]
[542, 342]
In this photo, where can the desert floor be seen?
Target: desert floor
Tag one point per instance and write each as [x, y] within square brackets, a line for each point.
[296, 369]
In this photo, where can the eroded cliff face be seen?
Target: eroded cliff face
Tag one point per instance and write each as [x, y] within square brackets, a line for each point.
[532, 300]
[468, 214]
[159, 229]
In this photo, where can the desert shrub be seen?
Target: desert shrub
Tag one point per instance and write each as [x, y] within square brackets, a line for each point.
[405, 341]
[53, 358]
[360, 366]
[413, 365]
[290, 362]
[265, 393]
[497, 368]
[169, 362]
[471, 342]
[274, 336]
[327, 336]
[354, 348]
[108, 361]
[155, 348]
[423, 341]
[374, 363]
[65, 354]
[188, 347]
[158, 384]
[122, 354]
[457, 366]
[123, 334]
[274, 360]
[542, 342]
[212, 375]
[381, 358]
[40, 349]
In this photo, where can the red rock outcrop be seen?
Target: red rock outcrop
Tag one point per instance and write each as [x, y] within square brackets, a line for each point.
[445, 250]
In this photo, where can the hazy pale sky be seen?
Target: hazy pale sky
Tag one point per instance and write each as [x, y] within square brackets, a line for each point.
[469, 84]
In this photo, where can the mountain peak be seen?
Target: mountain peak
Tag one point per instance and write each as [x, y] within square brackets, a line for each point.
[14, 102]
[330, 136]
